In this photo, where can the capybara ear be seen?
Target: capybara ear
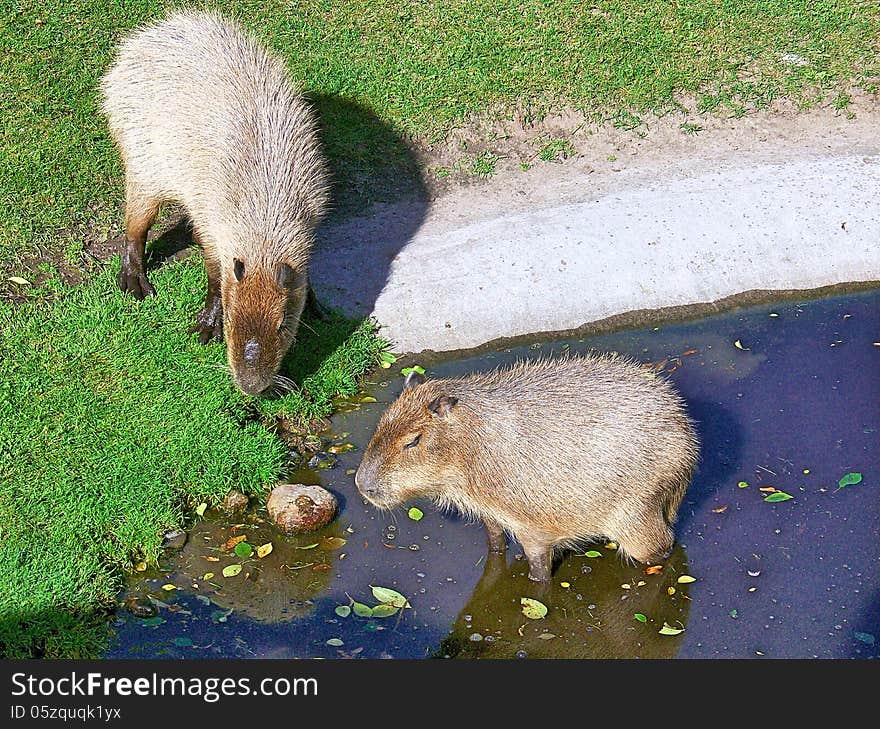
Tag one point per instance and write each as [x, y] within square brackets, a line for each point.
[238, 269]
[441, 406]
[412, 379]
[287, 277]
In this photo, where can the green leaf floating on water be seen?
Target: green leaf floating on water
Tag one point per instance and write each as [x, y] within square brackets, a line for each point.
[335, 642]
[532, 608]
[387, 357]
[384, 611]
[641, 618]
[153, 622]
[743, 484]
[777, 496]
[866, 638]
[415, 368]
[390, 597]
[592, 553]
[361, 610]
[415, 514]
[243, 550]
[182, 642]
[851, 479]
[231, 570]
[667, 629]
[343, 611]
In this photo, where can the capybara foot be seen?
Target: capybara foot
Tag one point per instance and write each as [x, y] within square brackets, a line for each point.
[540, 562]
[135, 283]
[209, 324]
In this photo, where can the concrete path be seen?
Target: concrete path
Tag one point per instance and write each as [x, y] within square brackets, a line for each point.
[564, 245]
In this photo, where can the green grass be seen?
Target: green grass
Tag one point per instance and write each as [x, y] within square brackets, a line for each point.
[114, 423]
[382, 70]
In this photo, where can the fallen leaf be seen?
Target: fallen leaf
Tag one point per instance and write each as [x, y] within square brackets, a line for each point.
[626, 586]
[743, 484]
[169, 587]
[212, 559]
[641, 618]
[368, 398]
[182, 642]
[611, 545]
[19, 280]
[546, 636]
[533, 608]
[670, 591]
[592, 553]
[321, 566]
[309, 546]
[866, 638]
[415, 514]
[733, 613]
[685, 579]
[390, 597]
[361, 610]
[767, 488]
[667, 629]
[231, 570]
[141, 566]
[688, 352]
[153, 622]
[384, 611]
[343, 611]
[565, 584]
[720, 509]
[243, 550]
[200, 509]
[738, 344]
[778, 496]
[264, 549]
[654, 569]
[851, 479]
[335, 642]
[415, 368]
[232, 541]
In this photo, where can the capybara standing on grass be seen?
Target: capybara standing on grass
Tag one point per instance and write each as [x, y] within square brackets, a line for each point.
[554, 452]
[206, 117]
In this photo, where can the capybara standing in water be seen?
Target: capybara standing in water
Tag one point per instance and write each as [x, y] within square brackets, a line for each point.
[206, 117]
[554, 452]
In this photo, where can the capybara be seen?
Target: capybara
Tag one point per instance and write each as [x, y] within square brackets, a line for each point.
[206, 117]
[554, 452]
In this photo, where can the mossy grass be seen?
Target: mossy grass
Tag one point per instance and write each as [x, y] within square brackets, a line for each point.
[114, 424]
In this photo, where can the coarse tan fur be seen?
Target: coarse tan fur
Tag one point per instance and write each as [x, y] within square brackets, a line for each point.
[553, 452]
[205, 116]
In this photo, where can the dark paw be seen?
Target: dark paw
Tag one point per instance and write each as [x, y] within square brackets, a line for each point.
[209, 325]
[137, 284]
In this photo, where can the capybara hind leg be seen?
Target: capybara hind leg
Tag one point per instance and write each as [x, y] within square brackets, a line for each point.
[497, 538]
[650, 545]
[139, 216]
[540, 558]
[209, 321]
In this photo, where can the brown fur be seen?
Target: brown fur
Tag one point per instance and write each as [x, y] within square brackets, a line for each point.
[553, 452]
[205, 116]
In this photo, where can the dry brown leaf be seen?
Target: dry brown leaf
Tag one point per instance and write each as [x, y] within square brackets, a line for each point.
[232, 541]
[720, 509]
[654, 569]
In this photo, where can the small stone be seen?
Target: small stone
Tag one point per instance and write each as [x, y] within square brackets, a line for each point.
[475, 637]
[174, 540]
[141, 607]
[297, 508]
[323, 461]
[235, 502]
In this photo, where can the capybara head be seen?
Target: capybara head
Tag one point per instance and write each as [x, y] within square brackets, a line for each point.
[262, 304]
[416, 449]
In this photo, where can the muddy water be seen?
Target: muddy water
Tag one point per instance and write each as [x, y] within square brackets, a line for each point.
[786, 397]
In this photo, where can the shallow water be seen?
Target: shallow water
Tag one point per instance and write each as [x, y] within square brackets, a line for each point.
[785, 396]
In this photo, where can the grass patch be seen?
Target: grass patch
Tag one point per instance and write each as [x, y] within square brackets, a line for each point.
[114, 422]
[412, 69]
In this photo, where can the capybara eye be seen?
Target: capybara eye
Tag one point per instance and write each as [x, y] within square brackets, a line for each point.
[414, 442]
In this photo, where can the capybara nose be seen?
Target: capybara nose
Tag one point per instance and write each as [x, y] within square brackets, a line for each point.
[366, 485]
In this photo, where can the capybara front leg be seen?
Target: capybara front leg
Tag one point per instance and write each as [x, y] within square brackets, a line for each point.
[209, 321]
[139, 216]
[540, 558]
[497, 538]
